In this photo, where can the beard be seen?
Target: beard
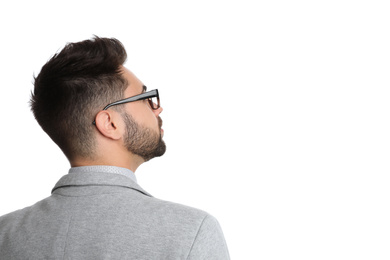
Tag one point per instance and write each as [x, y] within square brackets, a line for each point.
[143, 141]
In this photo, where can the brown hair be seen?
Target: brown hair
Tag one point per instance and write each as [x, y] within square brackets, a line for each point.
[73, 86]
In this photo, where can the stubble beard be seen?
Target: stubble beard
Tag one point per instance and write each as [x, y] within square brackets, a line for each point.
[143, 141]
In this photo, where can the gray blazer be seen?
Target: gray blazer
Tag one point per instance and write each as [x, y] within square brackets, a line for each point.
[108, 216]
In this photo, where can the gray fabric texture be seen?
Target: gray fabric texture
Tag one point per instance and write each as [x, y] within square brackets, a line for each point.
[104, 168]
[108, 216]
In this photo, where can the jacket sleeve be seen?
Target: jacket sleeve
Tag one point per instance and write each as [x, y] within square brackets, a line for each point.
[209, 243]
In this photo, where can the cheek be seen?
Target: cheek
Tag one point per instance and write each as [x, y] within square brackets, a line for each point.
[143, 115]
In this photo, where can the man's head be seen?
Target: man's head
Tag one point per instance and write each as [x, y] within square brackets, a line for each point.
[72, 89]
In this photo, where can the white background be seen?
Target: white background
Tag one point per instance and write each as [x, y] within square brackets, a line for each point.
[276, 114]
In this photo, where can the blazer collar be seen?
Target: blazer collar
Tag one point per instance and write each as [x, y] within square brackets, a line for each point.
[97, 179]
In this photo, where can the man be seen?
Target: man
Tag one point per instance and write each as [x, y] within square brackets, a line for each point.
[107, 124]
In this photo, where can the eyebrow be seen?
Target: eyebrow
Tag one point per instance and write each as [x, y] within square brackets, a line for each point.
[144, 88]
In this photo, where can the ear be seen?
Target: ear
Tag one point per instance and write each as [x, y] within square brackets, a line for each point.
[108, 124]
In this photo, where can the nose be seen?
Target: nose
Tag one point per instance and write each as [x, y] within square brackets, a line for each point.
[158, 111]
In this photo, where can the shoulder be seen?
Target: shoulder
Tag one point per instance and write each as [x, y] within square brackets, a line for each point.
[209, 242]
[171, 214]
[171, 210]
[205, 226]
[14, 223]
[200, 228]
[20, 215]
[13, 216]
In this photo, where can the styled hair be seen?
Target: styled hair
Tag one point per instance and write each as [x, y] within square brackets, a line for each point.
[73, 86]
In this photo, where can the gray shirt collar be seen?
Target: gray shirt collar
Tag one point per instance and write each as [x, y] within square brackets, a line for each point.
[105, 169]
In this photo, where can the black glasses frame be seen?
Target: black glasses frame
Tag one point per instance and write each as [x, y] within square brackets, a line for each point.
[147, 95]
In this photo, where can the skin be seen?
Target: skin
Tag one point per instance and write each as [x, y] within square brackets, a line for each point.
[110, 129]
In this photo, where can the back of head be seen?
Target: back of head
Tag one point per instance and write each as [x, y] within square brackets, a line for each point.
[72, 87]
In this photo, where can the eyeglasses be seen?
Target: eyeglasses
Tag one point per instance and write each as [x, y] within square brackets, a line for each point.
[152, 97]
